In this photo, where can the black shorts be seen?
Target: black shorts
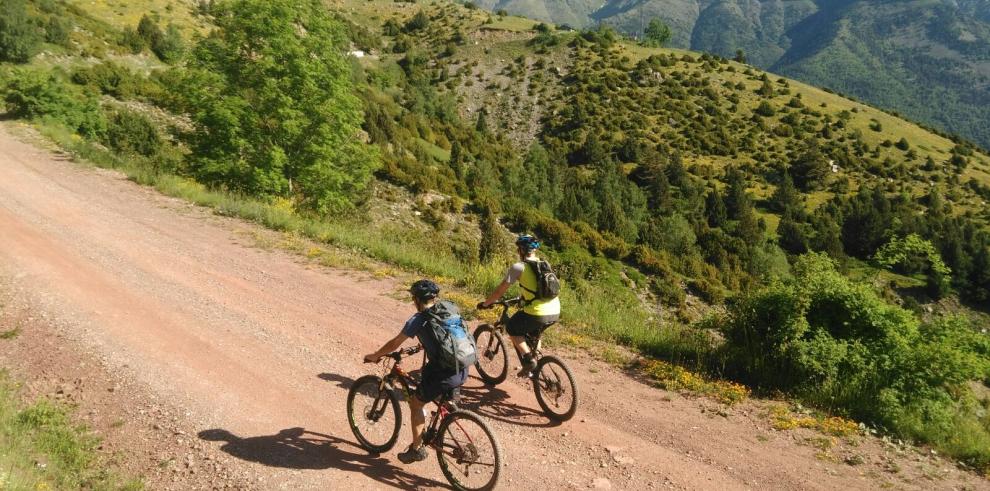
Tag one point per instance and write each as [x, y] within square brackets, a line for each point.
[521, 323]
[437, 381]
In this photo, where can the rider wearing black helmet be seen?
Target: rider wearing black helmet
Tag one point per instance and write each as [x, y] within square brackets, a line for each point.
[538, 314]
[435, 379]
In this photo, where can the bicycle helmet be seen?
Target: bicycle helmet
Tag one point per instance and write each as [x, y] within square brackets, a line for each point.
[527, 242]
[424, 290]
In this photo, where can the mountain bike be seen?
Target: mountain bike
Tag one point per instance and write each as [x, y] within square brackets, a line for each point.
[553, 382]
[466, 447]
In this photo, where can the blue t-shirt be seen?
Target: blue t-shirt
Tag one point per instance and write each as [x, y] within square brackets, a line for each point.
[414, 328]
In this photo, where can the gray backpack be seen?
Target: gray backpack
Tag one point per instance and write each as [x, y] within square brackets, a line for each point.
[456, 345]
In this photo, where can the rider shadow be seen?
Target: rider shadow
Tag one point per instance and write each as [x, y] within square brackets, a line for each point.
[341, 381]
[296, 448]
[492, 402]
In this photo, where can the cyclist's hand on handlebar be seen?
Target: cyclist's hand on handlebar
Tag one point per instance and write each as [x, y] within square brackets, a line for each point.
[371, 358]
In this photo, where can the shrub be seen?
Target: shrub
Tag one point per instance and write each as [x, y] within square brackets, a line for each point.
[20, 38]
[169, 46]
[131, 132]
[33, 94]
[669, 291]
[57, 30]
[839, 345]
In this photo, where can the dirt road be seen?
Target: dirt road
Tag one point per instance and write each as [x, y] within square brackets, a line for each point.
[177, 306]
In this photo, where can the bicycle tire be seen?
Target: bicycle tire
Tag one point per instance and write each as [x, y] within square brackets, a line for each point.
[551, 379]
[491, 346]
[454, 445]
[379, 401]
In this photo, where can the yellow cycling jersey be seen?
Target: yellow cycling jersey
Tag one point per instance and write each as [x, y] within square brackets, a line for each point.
[535, 307]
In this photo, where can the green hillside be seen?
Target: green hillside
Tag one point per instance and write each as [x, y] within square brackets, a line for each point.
[899, 55]
[839, 239]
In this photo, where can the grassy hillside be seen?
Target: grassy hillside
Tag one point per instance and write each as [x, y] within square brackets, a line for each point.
[896, 55]
[662, 181]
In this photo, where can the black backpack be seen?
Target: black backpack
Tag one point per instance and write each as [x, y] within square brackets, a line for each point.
[456, 348]
[547, 283]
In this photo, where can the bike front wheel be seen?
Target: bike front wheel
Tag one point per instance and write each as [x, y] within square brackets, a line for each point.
[556, 389]
[493, 358]
[373, 413]
[467, 451]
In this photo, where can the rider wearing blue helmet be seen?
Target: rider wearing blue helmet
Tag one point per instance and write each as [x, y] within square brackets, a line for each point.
[436, 380]
[537, 314]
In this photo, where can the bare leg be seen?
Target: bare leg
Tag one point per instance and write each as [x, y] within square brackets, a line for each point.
[522, 349]
[418, 420]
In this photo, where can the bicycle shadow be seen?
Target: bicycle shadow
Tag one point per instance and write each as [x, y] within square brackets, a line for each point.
[492, 402]
[346, 382]
[342, 381]
[297, 448]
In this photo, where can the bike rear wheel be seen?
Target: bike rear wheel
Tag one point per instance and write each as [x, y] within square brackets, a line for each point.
[374, 414]
[467, 451]
[493, 357]
[556, 389]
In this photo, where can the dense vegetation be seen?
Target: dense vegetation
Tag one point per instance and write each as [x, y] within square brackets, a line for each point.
[657, 178]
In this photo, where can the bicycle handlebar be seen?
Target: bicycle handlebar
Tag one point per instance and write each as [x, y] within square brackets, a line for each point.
[504, 302]
[398, 355]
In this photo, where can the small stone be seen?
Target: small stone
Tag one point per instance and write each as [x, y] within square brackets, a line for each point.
[601, 483]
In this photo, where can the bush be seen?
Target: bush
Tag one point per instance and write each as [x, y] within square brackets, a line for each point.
[31, 94]
[669, 291]
[20, 38]
[131, 132]
[57, 30]
[169, 46]
[839, 345]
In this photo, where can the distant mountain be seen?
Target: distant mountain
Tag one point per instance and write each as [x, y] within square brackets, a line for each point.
[927, 59]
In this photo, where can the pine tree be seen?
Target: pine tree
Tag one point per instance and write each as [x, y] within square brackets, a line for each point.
[715, 210]
[791, 235]
[785, 197]
[481, 125]
[736, 199]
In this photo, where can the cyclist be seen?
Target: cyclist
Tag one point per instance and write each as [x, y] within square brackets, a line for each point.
[537, 314]
[435, 379]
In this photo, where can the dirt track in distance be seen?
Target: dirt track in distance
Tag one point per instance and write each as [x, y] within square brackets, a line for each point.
[168, 322]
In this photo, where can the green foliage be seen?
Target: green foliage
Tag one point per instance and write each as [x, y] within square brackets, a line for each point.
[250, 134]
[33, 94]
[20, 37]
[418, 22]
[837, 344]
[656, 34]
[169, 46]
[131, 132]
[57, 30]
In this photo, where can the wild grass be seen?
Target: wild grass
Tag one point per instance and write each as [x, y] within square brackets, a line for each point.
[41, 448]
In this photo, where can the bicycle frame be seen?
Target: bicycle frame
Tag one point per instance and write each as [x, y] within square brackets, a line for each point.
[397, 376]
[533, 341]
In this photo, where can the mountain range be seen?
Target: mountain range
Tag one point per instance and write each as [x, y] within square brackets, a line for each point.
[928, 60]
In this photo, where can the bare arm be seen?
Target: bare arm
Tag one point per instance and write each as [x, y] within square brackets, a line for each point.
[392, 345]
[497, 294]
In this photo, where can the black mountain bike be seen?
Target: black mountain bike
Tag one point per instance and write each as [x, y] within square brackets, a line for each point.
[553, 382]
[466, 448]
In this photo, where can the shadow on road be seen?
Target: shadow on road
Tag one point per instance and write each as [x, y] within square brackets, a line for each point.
[341, 381]
[492, 402]
[296, 448]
